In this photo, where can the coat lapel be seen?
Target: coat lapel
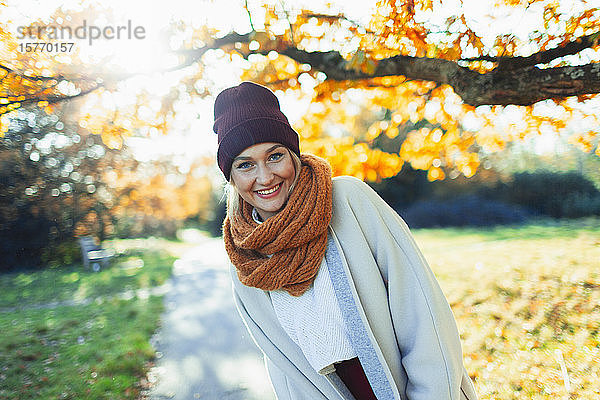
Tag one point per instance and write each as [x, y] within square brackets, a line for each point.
[359, 332]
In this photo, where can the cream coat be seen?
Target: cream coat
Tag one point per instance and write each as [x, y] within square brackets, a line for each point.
[406, 316]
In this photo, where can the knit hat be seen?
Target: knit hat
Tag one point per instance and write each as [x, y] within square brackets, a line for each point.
[246, 115]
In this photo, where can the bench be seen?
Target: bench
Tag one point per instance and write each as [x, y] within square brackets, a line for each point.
[93, 254]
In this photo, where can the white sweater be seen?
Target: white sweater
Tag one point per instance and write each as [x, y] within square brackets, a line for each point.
[314, 321]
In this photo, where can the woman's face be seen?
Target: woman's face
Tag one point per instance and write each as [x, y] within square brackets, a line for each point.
[263, 175]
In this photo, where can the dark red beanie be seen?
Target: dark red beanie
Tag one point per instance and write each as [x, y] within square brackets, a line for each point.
[246, 115]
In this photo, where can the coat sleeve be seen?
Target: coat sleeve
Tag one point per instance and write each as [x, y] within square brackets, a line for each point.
[423, 322]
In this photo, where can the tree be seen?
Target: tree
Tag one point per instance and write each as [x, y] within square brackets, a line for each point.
[445, 71]
[51, 185]
[58, 181]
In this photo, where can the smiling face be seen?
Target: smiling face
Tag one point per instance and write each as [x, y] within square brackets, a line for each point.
[263, 175]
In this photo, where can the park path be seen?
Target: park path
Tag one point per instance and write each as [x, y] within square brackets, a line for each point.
[203, 347]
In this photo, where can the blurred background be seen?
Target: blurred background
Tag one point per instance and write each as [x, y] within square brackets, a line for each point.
[112, 137]
[477, 121]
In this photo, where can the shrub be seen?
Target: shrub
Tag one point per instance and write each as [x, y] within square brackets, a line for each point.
[555, 194]
[404, 189]
[23, 238]
[46, 190]
[576, 206]
[469, 210]
[65, 253]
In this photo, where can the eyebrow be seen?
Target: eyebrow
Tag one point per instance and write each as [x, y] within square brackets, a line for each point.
[270, 149]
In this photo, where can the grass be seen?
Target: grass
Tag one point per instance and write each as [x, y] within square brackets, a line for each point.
[98, 349]
[133, 271]
[527, 301]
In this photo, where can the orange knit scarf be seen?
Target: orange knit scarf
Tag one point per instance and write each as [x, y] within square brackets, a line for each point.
[296, 237]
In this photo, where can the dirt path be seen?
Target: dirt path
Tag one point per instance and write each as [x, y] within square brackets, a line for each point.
[205, 351]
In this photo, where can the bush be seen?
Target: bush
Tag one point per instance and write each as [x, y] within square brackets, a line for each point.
[65, 253]
[469, 210]
[23, 238]
[555, 194]
[404, 189]
[576, 206]
[45, 190]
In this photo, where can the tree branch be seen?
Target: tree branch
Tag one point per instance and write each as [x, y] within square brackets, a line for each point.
[515, 81]
[499, 87]
[530, 85]
[329, 17]
[52, 99]
[287, 17]
[542, 57]
[194, 55]
[502, 86]
[10, 71]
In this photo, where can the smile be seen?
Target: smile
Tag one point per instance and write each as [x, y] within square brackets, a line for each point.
[267, 192]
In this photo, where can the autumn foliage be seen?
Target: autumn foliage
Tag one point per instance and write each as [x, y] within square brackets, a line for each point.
[463, 124]
[440, 81]
[59, 181]
[416, 60]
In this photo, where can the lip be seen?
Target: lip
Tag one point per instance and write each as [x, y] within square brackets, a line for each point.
[268, 196]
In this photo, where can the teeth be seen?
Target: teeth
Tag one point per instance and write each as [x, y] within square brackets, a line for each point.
[265, 192]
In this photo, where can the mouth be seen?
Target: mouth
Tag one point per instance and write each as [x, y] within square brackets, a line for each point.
[267, 193]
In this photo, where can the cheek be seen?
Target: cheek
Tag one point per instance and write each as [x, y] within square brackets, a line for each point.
[287, 171]
[245, 193]
[242, 185]
[247, 198]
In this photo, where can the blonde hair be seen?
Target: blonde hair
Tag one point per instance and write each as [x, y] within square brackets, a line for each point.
[233, 196]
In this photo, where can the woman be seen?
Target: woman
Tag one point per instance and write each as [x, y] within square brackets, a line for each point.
[326, 276]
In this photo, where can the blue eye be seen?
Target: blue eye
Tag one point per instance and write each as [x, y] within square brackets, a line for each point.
[275, 156]
[244, 165]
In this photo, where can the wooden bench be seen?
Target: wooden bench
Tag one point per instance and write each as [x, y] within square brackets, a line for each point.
[93, 254]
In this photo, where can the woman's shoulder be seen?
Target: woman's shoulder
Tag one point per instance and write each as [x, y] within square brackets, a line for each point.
[350, 187]
[354, 198]
[351, 196]
[346, 182]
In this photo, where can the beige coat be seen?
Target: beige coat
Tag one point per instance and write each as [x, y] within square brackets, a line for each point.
[407, 318]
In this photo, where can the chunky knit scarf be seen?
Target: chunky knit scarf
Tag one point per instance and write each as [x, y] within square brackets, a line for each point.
[296, 237]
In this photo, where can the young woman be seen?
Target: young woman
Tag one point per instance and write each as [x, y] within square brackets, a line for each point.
[326, 276]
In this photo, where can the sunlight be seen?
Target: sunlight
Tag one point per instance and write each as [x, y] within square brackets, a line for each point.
[128, 42]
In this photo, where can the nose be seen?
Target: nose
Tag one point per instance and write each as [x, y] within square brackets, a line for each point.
[264, 175]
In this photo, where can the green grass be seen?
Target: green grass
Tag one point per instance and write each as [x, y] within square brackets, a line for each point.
[127, 272]
[527, 302]
[99, 350]
[542, 229]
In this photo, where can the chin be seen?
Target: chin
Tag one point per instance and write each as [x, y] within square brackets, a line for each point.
[271, 209]
[273, 206]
